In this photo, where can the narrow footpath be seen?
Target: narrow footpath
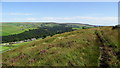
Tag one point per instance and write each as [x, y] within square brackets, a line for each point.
[107, 55]
[103, 54]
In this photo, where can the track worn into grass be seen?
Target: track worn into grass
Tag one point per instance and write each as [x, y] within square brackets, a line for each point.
[105, 51]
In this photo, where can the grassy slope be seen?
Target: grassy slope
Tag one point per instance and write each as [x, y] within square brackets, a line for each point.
[16, 28]
[111, 45]
[8, 30]
[9, 47]
[79, 47]
[13, 28]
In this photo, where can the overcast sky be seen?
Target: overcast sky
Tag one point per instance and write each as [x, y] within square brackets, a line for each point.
[94, 13]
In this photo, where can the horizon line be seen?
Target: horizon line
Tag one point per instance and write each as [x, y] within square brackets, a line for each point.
[61, 23]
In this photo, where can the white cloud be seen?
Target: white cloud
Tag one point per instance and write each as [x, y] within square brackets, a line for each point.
[57, 18]
[17, 13]
[99, 18]
[31, 19]
[79, 17]
[0, 13]
[85, 20]
[74, 19]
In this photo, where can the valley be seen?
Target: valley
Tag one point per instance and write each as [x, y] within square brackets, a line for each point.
[98, 46]
[33, 31]
[65, 34]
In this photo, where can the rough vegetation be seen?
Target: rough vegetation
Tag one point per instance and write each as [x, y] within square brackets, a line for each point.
[86, 47]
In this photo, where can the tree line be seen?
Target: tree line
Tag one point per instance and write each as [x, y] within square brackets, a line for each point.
[41, 32]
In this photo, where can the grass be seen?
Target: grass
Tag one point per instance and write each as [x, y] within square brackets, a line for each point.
[12, 46]
[13, 28]
[112, 45]
[16, 28]
[76, 48]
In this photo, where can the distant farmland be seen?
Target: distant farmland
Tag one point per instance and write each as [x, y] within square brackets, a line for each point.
[16, 28]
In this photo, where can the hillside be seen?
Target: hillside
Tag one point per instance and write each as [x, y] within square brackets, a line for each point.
[10, 28]
[14, 28]
[86, 47]
[40, 32]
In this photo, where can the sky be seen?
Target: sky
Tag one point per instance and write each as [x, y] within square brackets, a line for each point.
[60, 0]
[94, 13]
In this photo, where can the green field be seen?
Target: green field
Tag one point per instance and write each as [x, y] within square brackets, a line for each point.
[16, 28]
[13, 46]
[76, 48]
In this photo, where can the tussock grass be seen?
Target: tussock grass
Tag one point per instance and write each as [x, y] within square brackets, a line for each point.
[76, 48]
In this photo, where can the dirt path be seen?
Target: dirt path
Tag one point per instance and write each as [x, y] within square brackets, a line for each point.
[108, 57]
[103, 54]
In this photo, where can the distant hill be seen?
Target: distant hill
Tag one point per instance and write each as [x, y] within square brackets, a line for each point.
[85, 47]
[9, 28]
[41, 32]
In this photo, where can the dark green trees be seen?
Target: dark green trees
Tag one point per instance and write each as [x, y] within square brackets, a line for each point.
[36, 33]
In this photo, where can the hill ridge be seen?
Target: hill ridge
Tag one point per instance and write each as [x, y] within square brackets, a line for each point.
[76, 48]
